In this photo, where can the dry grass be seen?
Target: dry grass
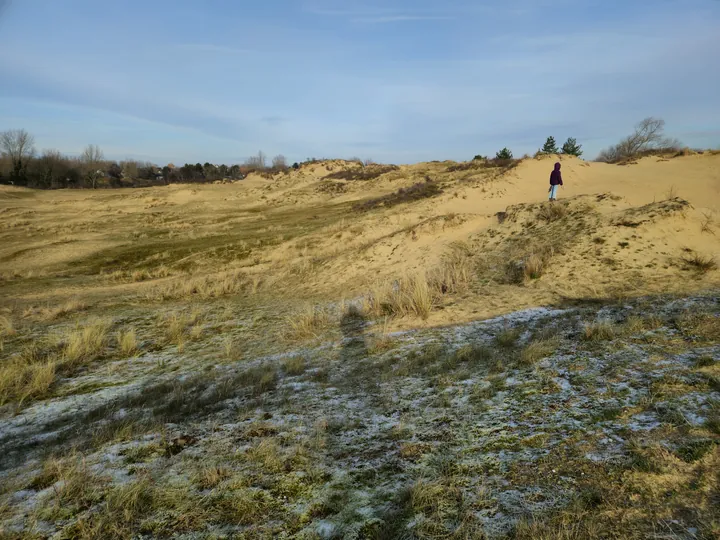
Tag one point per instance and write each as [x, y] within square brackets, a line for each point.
[210, 477]
[20, 381]
[703, 326]
[76, 488]
[369, 172]
[85, 343]
[231, 350]
[552, 211]
[411, 295]
[294, 365]
[599, 331]
[534, 267]
[531, 265]
[307, 323]
[707, 223]
[127, 342]
[636, 324]
[71, 306]
[204, 287]
[701, 264]
[182, 325]
[7, 327]
[507, 337]
[537, 350]
[455, 272]
[416, 192]
[440, 511]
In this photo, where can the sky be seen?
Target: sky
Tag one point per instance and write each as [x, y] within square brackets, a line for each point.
[396, 81]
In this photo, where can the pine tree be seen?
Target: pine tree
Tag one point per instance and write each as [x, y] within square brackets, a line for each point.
[550, 146]
[504, 154]
[572, 148]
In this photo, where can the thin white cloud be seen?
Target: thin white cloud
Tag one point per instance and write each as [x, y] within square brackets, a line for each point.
[211, 48]
[402, 18]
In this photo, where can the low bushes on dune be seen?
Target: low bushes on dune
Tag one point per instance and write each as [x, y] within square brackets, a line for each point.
[421, 190]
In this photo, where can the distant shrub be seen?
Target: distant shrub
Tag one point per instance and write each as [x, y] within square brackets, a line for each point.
[480, 158]
[368, 172]
[416, 192]
[504, 154]
[477, 164]
[648, 138]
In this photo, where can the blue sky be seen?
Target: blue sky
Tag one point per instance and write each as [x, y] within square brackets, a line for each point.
[395, 81]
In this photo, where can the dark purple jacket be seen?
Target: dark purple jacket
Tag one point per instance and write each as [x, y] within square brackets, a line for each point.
[556, 177]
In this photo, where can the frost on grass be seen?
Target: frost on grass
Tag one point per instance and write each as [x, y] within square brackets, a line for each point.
[525, 426]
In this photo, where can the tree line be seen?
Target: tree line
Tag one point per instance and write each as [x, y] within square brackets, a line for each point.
[22, 165]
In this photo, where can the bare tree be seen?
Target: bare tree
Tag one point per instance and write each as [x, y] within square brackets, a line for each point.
[649, 135]
[279, 162]
[49, 167]
[92, 159]
[19, 146]
[129, 169]
[257, 162]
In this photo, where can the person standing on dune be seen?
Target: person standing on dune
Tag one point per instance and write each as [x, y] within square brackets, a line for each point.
[555, 182]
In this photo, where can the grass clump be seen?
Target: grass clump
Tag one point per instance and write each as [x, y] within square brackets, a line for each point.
[307, 323]
[701, 264]
[71, 306]
[77, 489]
[295, 365]
[537, 350]
[209, 477]
[231, 350]
[127, 342]
[599, 331]
[20, 381]
[441, 511]
[552, 212]
[695, 450]
[411, 295]
[703, 326]
[84, 344]
[507, 338]
[7, 328]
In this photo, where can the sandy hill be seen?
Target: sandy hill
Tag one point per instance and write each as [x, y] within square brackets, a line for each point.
[347, 351]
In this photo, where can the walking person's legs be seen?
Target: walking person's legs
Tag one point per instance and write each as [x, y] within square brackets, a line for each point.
[553, 192]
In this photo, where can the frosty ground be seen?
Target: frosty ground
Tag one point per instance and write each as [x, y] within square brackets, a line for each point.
[582, 421]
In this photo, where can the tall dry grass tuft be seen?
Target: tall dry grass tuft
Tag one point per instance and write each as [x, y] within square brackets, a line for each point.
[599, 331]
[412, 295]
[455, 272]
[71, 306]
[7, 327]
[552, 211]
[209, 286]
[20, 381]
[84, 344]
[419, 296]
[127, 342]
[307, 323]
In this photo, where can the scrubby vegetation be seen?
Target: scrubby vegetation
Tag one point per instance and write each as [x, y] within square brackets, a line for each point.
[418, 191]
[264, 362]
[362, 172]
[647, 139]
